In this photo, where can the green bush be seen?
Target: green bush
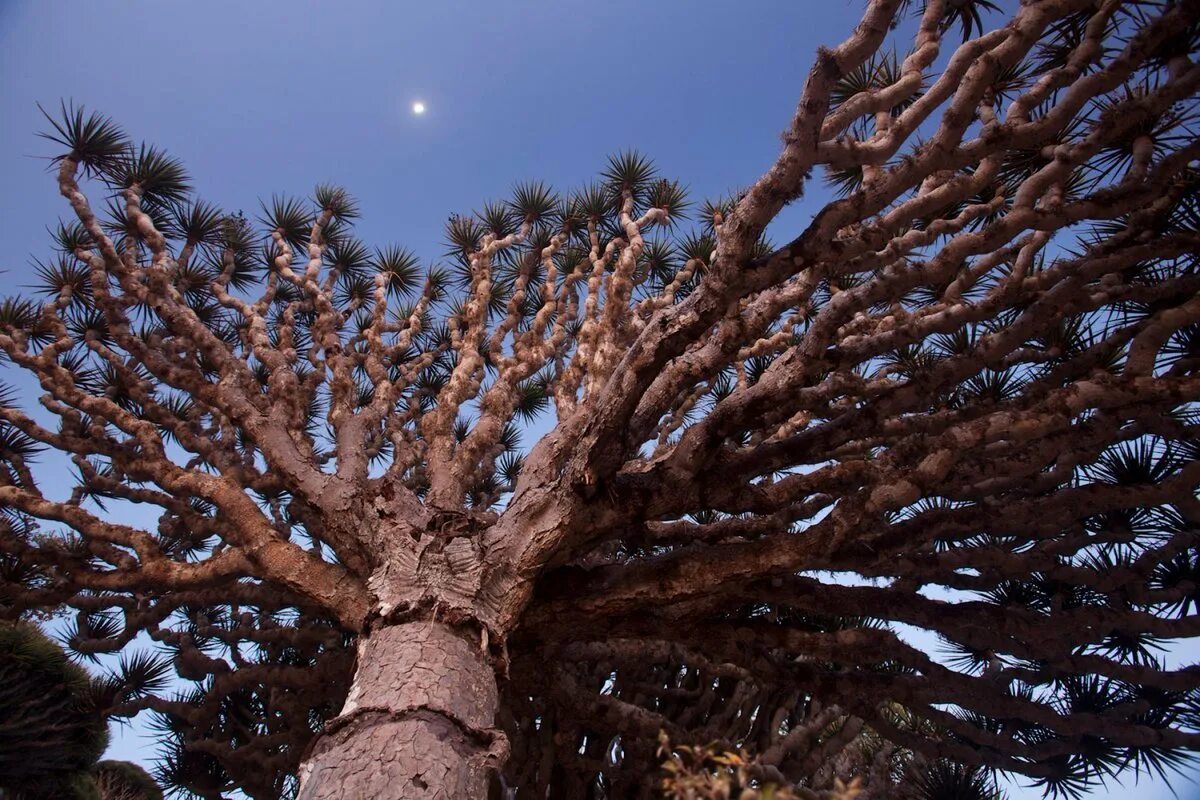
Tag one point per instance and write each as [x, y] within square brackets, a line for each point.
[51, 730]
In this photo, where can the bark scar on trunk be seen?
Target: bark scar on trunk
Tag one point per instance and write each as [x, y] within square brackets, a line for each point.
[491, 738]
[418, 721]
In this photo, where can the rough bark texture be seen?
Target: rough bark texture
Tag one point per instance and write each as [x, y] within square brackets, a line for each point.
[418, 722]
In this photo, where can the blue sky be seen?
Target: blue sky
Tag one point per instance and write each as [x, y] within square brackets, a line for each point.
[273, 97]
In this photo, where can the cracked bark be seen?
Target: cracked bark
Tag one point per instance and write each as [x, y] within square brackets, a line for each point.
[417, 723]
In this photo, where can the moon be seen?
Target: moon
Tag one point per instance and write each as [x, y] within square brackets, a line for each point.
[418, 108]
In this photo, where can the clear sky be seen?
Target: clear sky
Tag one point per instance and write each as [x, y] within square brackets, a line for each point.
[266, 96]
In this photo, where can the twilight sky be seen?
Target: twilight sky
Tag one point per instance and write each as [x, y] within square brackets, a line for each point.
[270, 97]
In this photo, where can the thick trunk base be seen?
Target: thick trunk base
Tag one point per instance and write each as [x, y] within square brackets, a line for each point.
[417, 723]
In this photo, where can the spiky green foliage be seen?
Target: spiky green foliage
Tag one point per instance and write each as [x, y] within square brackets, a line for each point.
[534, 201]
[123, 780]
[289, 217]
[946, 780]
[198, 222]
[337, 201]
[71, 237]
[498, 219]
[94, 140]
[463, 234]
[592, 203]
[156, 176]
[51, 727]
[671, 197]
[968, 16]
[878, 72]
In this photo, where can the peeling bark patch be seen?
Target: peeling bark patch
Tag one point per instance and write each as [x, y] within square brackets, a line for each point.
[422, 755]
[426, 665]
[418, 723]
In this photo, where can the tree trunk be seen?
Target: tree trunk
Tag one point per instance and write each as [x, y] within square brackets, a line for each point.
[417, 723]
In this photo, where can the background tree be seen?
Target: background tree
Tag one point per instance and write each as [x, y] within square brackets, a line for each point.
[962, 399]
[121, 780]
[51, 726]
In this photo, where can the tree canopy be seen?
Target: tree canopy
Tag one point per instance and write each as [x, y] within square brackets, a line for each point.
[962, 399]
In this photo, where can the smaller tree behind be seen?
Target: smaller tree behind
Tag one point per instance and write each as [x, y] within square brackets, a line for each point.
[122, 780]
[51, 728]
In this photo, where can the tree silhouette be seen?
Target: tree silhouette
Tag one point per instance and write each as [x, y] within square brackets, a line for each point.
[121, 780]
[961, 399]
[51, 726]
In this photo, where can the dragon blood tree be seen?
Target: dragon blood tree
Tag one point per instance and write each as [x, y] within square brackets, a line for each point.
[962, 398]
[51, 727]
